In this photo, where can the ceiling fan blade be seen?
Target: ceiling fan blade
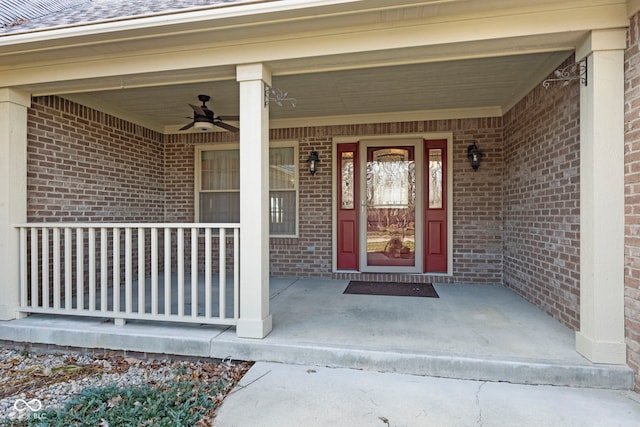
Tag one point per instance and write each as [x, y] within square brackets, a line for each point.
[231, 118]
[227, 127]
[190, 125]
[198, 110]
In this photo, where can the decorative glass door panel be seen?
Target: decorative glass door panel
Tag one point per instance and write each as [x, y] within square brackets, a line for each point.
[435, 178]
[390, 207]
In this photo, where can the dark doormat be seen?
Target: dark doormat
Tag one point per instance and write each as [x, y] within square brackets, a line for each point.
[391, 289]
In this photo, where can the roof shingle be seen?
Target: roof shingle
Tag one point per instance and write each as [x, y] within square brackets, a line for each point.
[25, 16]
[14, 12]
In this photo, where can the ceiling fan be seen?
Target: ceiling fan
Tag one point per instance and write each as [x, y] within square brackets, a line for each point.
[204, 120]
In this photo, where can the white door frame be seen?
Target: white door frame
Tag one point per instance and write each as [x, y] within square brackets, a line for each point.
[400, 139]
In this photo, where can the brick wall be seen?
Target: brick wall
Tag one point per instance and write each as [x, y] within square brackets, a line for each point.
[84, 165]
[477, 196]
[81, 168]
[542, 200]
[632, 198]
[477, 202]
[310, 253]
[87, 166]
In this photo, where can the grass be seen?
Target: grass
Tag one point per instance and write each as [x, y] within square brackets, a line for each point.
[178, 403]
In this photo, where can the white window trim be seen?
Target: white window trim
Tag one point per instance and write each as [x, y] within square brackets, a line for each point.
[294, 145]
[272, 144]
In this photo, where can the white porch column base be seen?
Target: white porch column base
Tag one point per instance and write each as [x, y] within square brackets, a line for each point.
[600, 351]
[251, 328]
[13, 194]
[601, 336]
[254, 320]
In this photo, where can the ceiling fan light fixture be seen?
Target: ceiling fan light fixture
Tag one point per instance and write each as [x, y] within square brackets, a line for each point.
[204, 119]
[204, 126]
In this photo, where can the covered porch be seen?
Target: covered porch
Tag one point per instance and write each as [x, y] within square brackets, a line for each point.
[104, 143]
[482, 332]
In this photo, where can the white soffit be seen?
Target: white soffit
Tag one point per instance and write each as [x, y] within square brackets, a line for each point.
[448, 89]
[452, 57]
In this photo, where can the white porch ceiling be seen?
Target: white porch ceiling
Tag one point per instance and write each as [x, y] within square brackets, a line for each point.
[469, 87]
[345, 61]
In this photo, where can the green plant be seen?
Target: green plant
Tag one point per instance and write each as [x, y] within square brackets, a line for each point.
[179, 403]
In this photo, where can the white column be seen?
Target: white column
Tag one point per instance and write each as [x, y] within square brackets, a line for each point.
[255, 320]
[13, 194]
[601, 335]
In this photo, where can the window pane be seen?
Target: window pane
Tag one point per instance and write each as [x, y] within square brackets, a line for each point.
[220, 185]
[390, 175]
[281, 168]
[347, 180]
[220, 170]
[435, 178]
[391, 208]
[220, 207]
[282, 213]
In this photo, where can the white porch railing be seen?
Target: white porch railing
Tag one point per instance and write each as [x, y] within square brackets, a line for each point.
[163, 272]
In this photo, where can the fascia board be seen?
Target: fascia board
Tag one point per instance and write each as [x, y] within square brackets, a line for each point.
[232, 15]
[257, 13]
[315, 44]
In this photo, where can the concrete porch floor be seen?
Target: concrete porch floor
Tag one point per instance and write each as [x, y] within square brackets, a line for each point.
[479, 332]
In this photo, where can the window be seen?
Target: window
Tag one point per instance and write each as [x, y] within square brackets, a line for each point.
[218, 186]
[282, 191]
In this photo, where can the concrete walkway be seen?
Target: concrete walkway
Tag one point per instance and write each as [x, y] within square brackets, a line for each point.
[478, 332]
[281, 395]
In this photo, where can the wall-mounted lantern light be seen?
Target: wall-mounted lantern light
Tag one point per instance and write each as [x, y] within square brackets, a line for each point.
[313, 161]
[474, 154]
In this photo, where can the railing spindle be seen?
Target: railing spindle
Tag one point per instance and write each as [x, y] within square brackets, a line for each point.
[222, 266]
[141, 271]
[128, 273]
[104, 270]
[236, 273]
[194, 272]
[56, 268]
[180, 256]
[68, 266]
[80, 268]
[154, 271]
[167, 271]
[45, 267]
[116, 269]
[207, 272]
[34, 268]
[92, 269]
[24, 290]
